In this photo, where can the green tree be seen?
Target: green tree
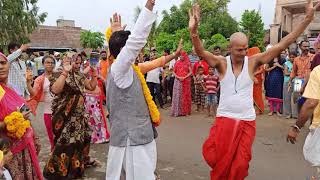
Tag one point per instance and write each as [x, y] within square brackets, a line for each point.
[18, 18]
[217, 40]
[252, 25]
[93, 40]
[214, 18]
[171, 41]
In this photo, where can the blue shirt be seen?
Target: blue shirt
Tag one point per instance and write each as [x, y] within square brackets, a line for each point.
[289, 65]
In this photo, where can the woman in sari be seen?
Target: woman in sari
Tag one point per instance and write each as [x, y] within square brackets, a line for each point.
[274, 85]
[258, 82]
[40, 92]
[94, 106]
[181, 101]
[24, 164]
[72, 134]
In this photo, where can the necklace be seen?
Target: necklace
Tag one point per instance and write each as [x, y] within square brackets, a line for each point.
[236, 77]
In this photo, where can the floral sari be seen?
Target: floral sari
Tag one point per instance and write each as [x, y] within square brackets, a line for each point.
[72, 133]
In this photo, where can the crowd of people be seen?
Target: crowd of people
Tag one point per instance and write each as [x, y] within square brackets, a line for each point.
[74, 87]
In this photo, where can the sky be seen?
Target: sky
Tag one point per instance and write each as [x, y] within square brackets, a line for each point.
[94, 15]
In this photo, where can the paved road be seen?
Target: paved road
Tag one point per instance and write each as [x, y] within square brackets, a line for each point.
[179, 150]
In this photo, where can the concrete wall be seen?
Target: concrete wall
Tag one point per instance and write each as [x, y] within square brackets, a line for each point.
[288, 21]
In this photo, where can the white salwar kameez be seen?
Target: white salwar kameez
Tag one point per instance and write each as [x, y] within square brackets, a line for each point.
[138, 162]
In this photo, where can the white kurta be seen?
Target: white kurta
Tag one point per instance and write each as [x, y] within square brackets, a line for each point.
[138, 162]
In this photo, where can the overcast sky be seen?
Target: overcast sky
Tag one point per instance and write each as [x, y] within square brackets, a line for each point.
[94, 14]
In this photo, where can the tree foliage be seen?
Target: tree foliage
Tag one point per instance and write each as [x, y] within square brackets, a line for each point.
[252, 25]
[214, 19]
[18, 18]
[170, 41]
[217, 40]
[93, 40]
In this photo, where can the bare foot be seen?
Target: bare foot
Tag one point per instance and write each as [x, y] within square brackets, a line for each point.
[270, 114]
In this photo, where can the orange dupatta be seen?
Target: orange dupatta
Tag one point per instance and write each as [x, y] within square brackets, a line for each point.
[38, 97]
[257, 87]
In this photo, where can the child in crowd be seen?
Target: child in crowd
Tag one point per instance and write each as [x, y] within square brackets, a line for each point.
[287, 93]
[211, 87]
[200, 89]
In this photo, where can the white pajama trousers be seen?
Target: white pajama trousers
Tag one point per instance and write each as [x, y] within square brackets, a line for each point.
[138, 162]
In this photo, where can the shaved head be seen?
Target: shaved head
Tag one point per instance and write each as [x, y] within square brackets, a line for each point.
[238, 38]
[238, 46]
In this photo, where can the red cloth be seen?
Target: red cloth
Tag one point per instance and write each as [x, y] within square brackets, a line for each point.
[10, 102]
[186, 97]
[202, 63]
[182, 69]
[228, 148]
[257, 87]
[257, 93]
[182, 66]
[48, 123]
[101, 87]
[27, 141]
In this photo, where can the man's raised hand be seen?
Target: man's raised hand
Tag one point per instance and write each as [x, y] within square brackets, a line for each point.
[310, 9]
[24, 47]
[150, 4]
[194, 18]
[115, 23]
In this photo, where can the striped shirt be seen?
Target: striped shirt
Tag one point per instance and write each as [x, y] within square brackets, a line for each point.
[211, 83]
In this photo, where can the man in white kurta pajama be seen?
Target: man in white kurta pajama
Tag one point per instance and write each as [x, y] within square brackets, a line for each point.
[132, 145]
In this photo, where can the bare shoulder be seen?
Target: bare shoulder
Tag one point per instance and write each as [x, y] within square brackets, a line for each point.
[222, 66]
[223, 61]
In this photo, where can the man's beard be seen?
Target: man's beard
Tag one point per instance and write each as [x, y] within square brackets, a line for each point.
[305, 51]
[104, 58]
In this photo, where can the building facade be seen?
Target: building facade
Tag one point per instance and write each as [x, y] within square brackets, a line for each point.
[288, 14]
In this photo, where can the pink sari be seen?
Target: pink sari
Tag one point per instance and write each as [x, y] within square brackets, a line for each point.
[8, 104]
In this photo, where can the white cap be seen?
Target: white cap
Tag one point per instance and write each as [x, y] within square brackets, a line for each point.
[56, 54]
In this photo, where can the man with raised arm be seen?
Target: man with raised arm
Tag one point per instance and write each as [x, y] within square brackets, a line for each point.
[228, 147]
[132, 113]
